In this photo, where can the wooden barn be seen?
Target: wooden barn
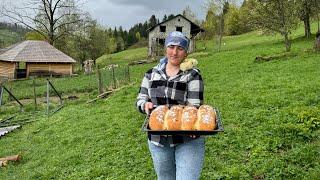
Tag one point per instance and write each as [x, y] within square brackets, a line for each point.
[34, 58]
[159, 32]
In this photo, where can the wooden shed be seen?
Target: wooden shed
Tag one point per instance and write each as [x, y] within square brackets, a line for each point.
[159, 32]
[34, 58]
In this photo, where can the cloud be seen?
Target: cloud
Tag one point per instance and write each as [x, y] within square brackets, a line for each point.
[126, 13]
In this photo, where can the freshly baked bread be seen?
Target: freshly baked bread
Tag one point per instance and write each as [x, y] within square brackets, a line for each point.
[206, 118]
[189, 117]
[156, 119]
[172, 120]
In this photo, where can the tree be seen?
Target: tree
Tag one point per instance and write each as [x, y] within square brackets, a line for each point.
[304, 11]
[233, 21]
[276, 17]
[138, 36]
[211, 23]
[221, 7]
[244, 16]
[171, 16]
[78, 43]
[164, 18]
[34, 35]
[153, 21]
[317, 7]
[51, 20]
[187, 12]
[97, 41]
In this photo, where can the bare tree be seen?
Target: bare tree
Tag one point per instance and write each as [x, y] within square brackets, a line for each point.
[50, 18]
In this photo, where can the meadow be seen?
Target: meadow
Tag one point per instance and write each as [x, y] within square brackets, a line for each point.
[270, 112]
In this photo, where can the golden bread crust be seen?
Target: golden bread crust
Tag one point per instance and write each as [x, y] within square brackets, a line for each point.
[156, 119]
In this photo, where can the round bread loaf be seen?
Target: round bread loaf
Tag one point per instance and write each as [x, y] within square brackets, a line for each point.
[206, 118]
[189, 117]
[172, 120]
[156, 119]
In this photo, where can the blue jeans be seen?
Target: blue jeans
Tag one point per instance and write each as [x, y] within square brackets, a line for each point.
[184, 161]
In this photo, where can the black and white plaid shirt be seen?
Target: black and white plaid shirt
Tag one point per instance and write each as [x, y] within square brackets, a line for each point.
[185, 88]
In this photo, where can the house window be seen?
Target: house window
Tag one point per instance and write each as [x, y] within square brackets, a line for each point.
[161, 42]
[162, 28]
[178, 28]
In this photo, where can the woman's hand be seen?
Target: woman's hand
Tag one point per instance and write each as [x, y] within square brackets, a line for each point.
[147, 107]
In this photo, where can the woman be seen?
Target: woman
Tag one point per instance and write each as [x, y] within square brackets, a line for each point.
[174, 157]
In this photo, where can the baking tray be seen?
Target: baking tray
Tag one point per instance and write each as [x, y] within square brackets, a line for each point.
[219, 128]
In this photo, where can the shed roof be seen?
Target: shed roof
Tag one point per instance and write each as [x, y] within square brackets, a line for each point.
[35, 51]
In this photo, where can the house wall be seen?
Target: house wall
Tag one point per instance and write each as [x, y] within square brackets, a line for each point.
[50, 68]
[7, 69]
[170, 26]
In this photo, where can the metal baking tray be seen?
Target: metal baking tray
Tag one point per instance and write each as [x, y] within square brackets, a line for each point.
[219, 128]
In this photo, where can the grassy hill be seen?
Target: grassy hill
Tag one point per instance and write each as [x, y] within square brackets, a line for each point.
[123, 57]
[270, 112]
[8, 37]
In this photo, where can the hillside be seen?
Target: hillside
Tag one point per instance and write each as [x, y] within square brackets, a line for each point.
[270, 112]
[11, 34]
[123, 57]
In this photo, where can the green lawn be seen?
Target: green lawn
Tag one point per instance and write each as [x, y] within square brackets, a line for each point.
[270, 112]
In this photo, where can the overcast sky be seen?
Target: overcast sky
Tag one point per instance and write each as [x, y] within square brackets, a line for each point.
[127, 13]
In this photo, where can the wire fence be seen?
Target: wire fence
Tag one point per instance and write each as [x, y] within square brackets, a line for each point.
[33, 94]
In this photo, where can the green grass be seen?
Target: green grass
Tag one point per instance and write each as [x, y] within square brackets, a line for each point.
[270, 112]
[123, 57]
[65, 85]
[8, 37]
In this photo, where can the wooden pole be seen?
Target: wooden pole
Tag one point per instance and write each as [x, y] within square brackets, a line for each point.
[129, 74]
[114, 79]
[54, 89]
[48, 92]
[1, 95]
[100, 84]
[35, 95]
[10, 89]
[12, 96]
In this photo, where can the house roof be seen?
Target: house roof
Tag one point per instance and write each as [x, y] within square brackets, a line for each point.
[35, 51]
[194, 27]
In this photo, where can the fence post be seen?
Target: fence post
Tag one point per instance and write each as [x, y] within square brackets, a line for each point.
[100, 84]
[128, 73]
[10, 89]
[1, 95]
[48, 92]
[114, 79]
[35, 95]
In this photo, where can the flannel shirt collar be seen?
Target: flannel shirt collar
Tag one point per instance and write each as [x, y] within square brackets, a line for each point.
[161, 68]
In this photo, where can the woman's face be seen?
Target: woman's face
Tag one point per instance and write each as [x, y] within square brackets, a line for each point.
[175, 54]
